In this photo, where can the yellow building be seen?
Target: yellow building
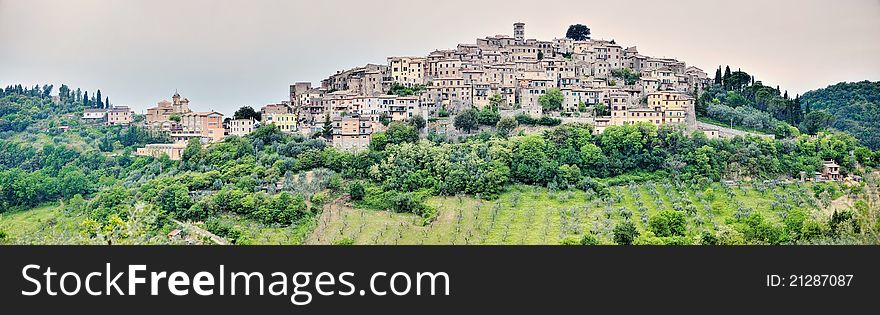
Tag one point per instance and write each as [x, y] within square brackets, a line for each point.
[664, 107]
[673, 103]
[649, 115]
[407, 71]
[285, 122]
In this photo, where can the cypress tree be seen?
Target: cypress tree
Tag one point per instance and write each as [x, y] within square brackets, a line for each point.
[725, 80]
[328, 127]
[99, 102]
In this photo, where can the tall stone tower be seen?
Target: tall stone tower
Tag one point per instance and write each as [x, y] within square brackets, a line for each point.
[519, 31]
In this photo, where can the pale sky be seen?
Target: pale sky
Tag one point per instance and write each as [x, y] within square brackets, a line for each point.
[225, 54]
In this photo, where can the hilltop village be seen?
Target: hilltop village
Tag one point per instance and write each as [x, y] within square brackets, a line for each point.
[503, 140]
[594, 81]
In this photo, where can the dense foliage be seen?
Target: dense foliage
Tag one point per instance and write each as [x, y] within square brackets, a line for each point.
[626, 74]
[402, 90]
[855, 108]
[737, 97]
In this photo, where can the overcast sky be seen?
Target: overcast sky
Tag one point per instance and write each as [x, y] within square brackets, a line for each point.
[225, 54]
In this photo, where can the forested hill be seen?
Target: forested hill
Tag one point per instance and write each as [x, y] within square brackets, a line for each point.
[854, 108]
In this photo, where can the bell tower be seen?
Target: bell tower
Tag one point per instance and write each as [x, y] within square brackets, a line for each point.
[519, 31]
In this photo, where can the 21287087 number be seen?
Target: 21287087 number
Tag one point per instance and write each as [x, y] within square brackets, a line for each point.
[809, 280]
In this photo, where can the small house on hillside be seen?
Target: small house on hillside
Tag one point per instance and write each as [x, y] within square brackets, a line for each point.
[830, 171]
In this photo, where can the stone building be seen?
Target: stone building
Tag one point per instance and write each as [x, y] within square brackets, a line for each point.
[174, 151]
[206, 125]
[352, 133]
[119, 115]
[164, 110]
[517, 68]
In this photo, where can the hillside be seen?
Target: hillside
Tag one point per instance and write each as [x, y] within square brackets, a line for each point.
[83, 185]
[777, 213]
[854, 106]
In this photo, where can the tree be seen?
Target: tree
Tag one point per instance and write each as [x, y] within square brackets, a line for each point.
[626, 74]
[496, 100]
[402, 90]
[193, 150]
[552, 99]
[589, 239]
[668, 223]
[246, 112]
[327, 132]
[568, 175]
[106, 102]
[600, 109]
[506, 125]
[708, 238]
[466, 120]
[64, 92]
[578, 32]
[488, 116]
[718, 76]
[85, 100]
[625, 233]
[74, 182]
[174, 198]
[725, 80]
[815, 121]
[396, 133]
[399, 133]
[540, 55]
[384, 119]
[100, 102]
[418, 122]
[174, 117]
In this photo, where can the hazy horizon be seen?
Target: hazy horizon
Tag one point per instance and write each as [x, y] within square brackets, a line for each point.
[226, 54]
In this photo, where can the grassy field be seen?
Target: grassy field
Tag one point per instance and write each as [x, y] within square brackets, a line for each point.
[535, 215]
[46, 224]
[255, 233]
[521, 215]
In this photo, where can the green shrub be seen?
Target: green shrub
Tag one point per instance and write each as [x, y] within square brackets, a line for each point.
[319, 198]
[223, 229]
[570, 240]
[344, 241]
[589, 239]
[356, 190]
[549, 121]
[668, 223]
[708, 238]
[625, 233]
